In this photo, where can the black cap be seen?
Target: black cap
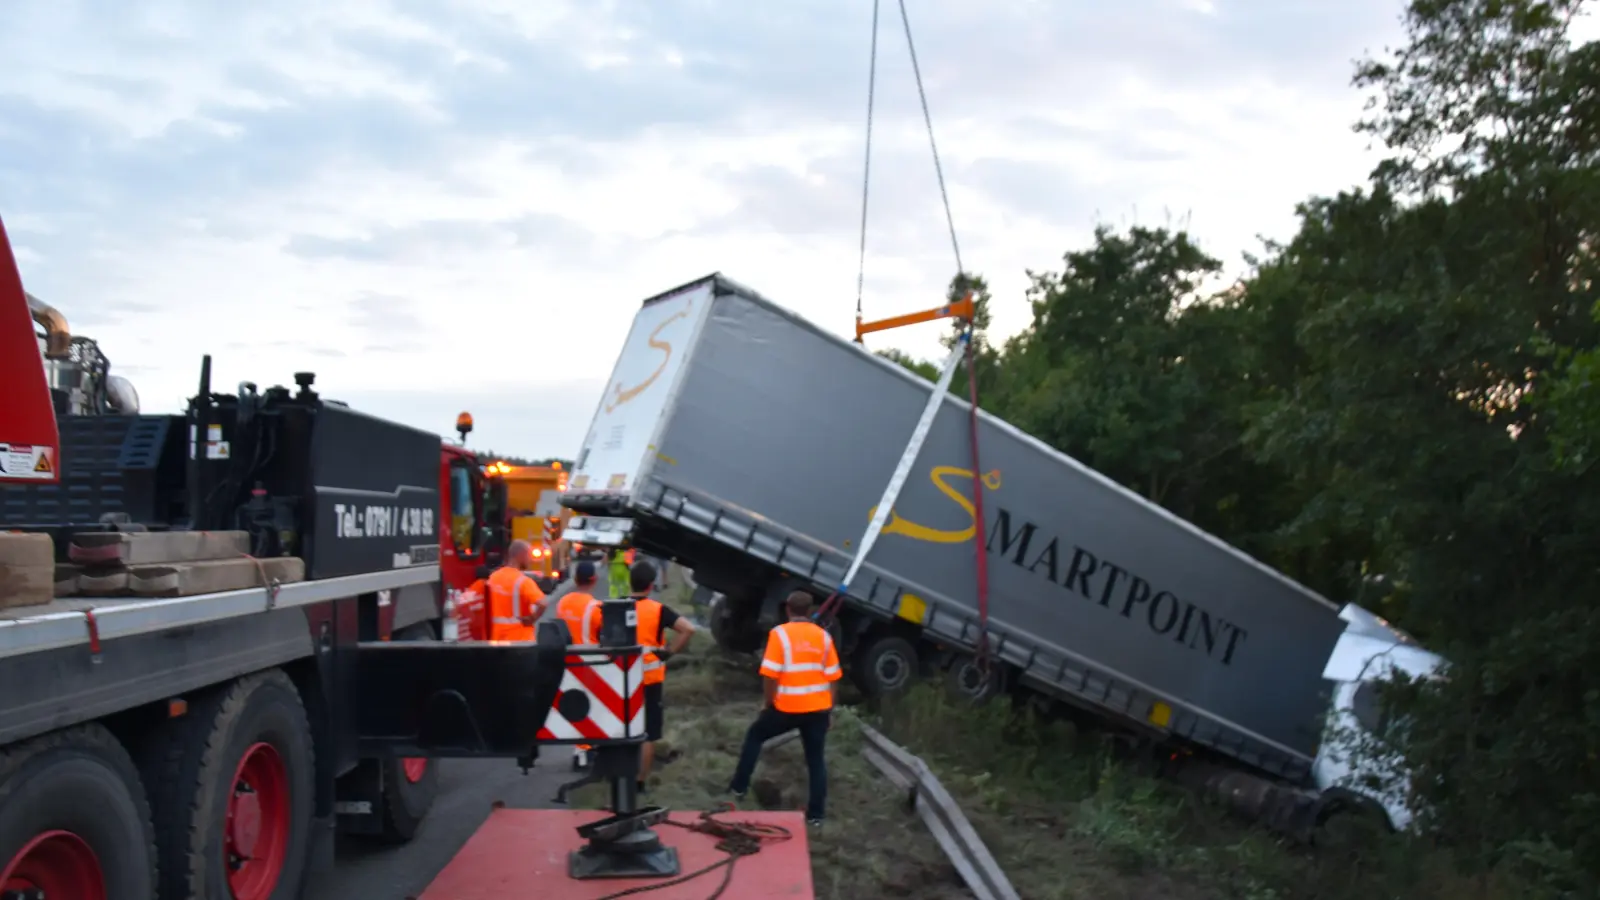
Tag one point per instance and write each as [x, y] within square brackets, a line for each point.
[584, 572]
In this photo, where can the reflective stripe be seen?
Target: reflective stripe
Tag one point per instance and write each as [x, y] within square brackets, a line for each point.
[591, 628]
[789, 665]
[516, 598]
[802, 689]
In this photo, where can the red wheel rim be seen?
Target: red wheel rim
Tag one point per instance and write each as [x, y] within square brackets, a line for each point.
[256, 838]
[415, 767]
[56, 864]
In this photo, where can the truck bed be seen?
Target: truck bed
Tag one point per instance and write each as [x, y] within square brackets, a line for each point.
[52, 674]
[777, 437]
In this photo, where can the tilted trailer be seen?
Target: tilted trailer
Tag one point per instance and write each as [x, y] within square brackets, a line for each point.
[751, 445]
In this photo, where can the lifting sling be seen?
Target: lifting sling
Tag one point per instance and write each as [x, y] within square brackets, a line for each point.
[963, 310]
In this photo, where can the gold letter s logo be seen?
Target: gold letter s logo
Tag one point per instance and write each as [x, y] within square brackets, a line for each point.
[897, 525]
[620, 396]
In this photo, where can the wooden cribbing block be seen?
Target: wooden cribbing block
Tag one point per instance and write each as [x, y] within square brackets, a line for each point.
[67, 579]
[27, 569]
[188, 579]
[103, 582]
[111, 548]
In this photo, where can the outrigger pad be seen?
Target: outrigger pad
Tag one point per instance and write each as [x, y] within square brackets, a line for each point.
[636, 855]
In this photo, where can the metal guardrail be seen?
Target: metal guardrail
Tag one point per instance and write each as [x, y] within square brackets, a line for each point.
[941, 814]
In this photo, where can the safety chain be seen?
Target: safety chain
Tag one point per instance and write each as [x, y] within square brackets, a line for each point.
[736, 839]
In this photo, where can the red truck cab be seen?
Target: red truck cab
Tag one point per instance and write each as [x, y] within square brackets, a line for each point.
[472, 532]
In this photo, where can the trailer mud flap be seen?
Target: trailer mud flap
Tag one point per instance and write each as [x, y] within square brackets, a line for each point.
[456, 700]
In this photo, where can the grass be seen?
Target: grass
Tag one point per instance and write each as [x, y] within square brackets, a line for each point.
[1067, 818]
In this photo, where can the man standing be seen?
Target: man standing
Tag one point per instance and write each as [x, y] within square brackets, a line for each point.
[617, 578]
[801, 675]
[581, 611]
[515, 601]
[579, 608]
[655, 619]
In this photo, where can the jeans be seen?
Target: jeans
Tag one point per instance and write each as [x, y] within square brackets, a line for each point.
[813, 727]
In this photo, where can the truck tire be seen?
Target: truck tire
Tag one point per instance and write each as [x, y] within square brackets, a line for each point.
[234, 793]
[967, 682]
[74, 821]
[885, 665]
[409, 785]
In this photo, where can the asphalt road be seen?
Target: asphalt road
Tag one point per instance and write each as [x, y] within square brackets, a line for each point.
[467, 791]
[468, 788]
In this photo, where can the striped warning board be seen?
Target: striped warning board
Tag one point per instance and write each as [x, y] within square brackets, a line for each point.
[601, 698]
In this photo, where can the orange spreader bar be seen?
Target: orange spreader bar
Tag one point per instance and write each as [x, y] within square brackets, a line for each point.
[961, 309]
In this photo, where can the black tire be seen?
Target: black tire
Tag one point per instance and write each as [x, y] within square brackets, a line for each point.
[885, 665]
[966, 681]
[192, 761]
[80, 781]
[405, 803]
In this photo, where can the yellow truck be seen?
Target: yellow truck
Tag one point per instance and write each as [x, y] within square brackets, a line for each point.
[533, 505]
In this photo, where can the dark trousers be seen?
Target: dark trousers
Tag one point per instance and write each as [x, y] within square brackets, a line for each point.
[813, 727]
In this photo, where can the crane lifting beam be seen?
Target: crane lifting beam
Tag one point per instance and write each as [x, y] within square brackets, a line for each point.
[963, 309]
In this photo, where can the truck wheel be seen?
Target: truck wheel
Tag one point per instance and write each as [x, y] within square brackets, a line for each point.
[969, 683]
[410, 785]
[234, 804]
[886, 665]
[74, 822]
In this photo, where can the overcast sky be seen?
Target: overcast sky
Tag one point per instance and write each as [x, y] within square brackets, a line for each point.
[445, 206]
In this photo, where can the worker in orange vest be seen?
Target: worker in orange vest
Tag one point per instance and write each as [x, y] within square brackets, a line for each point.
[581, 611]
[515, 601]
[801, 675]
[579, 608]
[654, 620]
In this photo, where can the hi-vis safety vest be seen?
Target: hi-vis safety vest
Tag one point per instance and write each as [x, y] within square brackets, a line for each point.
[512, 595]
[801, 656]
[581, 612]
[648, 629]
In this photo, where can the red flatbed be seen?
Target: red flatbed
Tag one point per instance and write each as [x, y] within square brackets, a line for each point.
[523, 853]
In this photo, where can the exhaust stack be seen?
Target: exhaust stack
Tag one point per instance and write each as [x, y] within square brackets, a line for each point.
[58, 338]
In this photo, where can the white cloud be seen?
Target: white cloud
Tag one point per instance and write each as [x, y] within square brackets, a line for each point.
[463, 205]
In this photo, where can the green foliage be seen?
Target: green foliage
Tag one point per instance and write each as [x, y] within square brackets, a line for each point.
[1398, 407]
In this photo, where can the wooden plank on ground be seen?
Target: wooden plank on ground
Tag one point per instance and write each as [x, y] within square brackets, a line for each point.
[188, 579]
[110, 548]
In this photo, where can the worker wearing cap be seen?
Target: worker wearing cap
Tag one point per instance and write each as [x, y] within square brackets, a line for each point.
[654, 620]
[801, 675]
[515, 601]
[579, 608]
[581, 611]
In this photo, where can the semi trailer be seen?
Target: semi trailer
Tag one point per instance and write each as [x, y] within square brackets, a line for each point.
[747, 443]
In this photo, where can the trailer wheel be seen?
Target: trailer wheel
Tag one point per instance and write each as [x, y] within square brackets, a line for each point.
[74, 822]
[235, 800]
[969, 683]
[411, 784]
[885, 665]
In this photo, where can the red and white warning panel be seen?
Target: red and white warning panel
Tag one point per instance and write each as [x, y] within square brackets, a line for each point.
[601, 697]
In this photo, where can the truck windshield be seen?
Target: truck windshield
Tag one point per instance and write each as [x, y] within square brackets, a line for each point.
[461, 517]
